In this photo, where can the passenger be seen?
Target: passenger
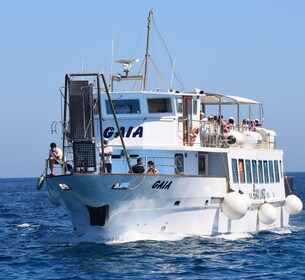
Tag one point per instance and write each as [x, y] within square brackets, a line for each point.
[252, 125]
[202, 115]
[231, 124]
[55, 157]
[203, 120]
[223, 125]
[151, 168]
[210, 131]
[193, 135]
[199, 129]
[202, 128]
[244, 125]
[138, 168]
[249, 123]
[257, 123]
[107, 156]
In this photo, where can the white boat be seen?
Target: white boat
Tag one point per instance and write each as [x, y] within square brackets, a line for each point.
[211, 181]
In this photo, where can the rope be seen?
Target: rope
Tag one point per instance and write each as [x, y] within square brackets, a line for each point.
[176, 74]
[51, 194]
[288, 185]
[137, 186]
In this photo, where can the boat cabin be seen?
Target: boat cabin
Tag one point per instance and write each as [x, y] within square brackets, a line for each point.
[168, 129]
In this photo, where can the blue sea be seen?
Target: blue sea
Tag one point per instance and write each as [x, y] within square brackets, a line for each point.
[37, 242]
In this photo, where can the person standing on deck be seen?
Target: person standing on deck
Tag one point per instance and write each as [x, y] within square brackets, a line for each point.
[107, 156]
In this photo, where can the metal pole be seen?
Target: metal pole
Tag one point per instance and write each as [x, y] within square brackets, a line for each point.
[65, 115]
[100, 120]
[116, 122]
[147, 49]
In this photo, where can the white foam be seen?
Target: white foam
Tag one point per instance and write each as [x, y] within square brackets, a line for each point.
[128, 236]
[133, 236]
[281, 231]
[27, 226]
[234, 236]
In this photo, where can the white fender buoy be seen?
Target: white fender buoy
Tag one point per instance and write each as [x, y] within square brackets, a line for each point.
[293, 204]
[266, 213]
[40, 182]
[247, 198]
[234, 205]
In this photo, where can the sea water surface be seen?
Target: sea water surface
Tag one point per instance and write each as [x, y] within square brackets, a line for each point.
[37, 242]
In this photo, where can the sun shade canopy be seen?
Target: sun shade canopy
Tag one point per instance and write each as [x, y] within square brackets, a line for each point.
[215, 99]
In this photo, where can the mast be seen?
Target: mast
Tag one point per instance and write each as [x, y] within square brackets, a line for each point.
[147, 48]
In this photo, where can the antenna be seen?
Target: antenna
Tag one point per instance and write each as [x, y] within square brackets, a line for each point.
[112, 52]
[83, 68]
[173, 72]
[147, 48]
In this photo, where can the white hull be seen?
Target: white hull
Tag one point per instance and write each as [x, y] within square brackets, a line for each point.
[187, 206]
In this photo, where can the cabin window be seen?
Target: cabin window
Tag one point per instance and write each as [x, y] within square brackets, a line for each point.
[276, 171]
[248, 171]
[159, 105]
[266, 173]
[195, 107]
[260, 171]
[179, 105]
[202, 163]
[234, 170]
[179, 165]
[124, 106]
[254, 171]
[271, 171]
[241, 168]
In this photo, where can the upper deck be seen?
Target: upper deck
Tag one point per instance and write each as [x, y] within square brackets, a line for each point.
[174, 119]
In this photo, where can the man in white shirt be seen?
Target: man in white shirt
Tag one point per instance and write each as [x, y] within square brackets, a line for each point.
[107, 156]
[55, 157]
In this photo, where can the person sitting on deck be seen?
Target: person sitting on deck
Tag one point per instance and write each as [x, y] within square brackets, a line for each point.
[138, 168]
[231, 124]
[252, 125]
[55, 157]
[257, 123]
[198, 130]
[244, 125]
[151, 168]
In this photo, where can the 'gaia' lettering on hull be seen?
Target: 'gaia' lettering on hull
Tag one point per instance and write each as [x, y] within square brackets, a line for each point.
[126, 132]
[164, 185]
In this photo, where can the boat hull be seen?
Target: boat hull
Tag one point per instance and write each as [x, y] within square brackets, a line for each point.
[106, 206]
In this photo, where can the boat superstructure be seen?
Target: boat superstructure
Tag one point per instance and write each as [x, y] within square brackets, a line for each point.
[213, 178]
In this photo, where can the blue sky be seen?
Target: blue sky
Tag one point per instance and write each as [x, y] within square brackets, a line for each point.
[254, 49]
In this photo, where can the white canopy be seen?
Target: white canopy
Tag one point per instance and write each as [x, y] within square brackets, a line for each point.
[215, 99]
